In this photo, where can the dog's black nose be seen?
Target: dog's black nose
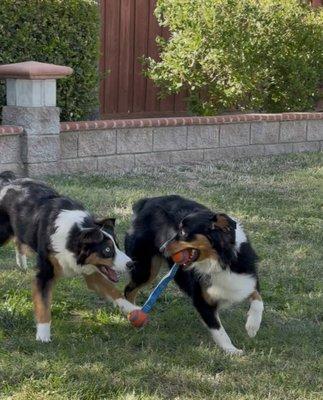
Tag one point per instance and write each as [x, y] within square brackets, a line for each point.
[130, 264]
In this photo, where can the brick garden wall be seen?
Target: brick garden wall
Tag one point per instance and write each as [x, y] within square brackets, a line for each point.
[102, 146]
[121, 145]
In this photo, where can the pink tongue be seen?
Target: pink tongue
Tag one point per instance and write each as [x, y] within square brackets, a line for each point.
[111, 274]
[186, 256]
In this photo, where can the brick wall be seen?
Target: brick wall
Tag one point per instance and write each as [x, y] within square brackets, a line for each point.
[121, 145]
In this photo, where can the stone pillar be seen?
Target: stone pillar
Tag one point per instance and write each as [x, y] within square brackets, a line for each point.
[31, 104]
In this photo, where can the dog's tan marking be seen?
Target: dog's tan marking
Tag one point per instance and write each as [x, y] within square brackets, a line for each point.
[101, 285]
[94, 259]
[22, 248]
[200, 243]
[58, 269]
[133, 290]
[221, 223]
[254, 315]
[208, 298]
[17, 244]
[42, 303]
[255, 296]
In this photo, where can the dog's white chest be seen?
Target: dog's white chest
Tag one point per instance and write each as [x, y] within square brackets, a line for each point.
[230, 287]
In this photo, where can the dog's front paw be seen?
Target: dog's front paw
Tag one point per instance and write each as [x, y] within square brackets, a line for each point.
[254, 317]
[43, 333]
[233, 351]
[43, 339]
[125, 306]
[253, 325]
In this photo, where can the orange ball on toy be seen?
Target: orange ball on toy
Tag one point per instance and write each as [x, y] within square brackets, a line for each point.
[181, 257]
[138, 318]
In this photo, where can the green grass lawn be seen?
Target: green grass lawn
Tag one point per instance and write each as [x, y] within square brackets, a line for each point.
[95, 354]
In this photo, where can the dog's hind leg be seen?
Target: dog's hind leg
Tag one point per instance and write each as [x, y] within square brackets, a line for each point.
[42, 298]
[6, 232]
[254, 314]
[21, 256]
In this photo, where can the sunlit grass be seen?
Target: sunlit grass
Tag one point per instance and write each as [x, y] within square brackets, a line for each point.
[95, 354]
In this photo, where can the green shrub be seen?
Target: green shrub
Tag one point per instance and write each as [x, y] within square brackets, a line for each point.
[58, 32]
[263, 55]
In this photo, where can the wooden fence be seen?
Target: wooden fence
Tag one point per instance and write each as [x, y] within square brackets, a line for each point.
[317, 3]
[129, 30]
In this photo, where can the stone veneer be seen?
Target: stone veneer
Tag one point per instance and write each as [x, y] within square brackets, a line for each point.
[10, 148]
[120, 145]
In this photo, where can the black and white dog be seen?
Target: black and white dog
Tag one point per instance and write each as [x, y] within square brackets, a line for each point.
[67, 240]
[218, 266]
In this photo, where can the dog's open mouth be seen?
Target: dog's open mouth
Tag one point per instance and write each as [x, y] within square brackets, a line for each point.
[186, 257]
[109, 272]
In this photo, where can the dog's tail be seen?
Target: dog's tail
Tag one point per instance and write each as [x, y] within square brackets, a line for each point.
[7, 177]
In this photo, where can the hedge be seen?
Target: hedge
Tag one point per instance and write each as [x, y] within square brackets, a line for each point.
[246, 55]
[58, 32]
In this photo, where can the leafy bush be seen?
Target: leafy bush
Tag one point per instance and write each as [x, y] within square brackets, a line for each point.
[263, 55]
[59, 32]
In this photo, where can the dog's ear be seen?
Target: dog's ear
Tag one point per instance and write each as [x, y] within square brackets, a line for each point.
[106, 222]
[223, 222]
[223, 236]
[91, 235]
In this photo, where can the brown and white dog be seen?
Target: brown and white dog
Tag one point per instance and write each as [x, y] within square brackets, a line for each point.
[67, 240]
[218, 267]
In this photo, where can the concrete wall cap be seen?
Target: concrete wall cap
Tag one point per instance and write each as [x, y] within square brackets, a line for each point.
[33, 70]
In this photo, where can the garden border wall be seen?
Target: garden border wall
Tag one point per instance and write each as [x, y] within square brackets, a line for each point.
[121, 145]
[104, 146]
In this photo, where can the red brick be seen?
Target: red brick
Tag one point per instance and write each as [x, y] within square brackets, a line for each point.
[10, 130]
[182, 121]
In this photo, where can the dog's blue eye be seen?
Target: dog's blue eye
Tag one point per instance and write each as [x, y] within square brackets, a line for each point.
[107, 250]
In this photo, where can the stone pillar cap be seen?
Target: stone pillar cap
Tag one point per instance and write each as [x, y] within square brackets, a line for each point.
[34, 70]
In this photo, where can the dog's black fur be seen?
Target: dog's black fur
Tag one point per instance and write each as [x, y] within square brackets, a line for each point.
[156, 220]
[29, 214]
